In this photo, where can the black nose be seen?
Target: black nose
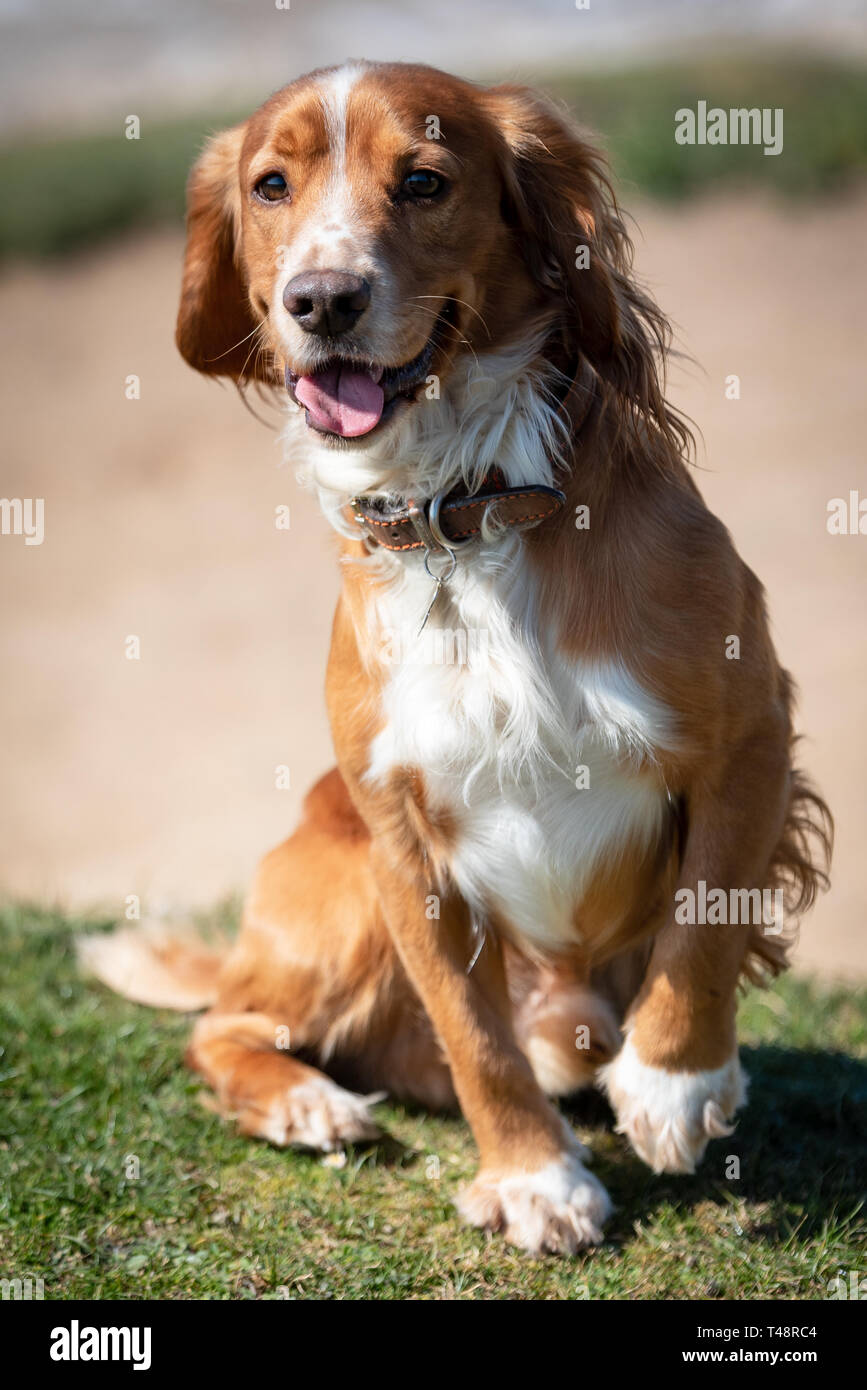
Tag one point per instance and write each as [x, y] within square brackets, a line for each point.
[326, 302]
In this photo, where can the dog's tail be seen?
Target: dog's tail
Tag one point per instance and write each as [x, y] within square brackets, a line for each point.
[167, 967]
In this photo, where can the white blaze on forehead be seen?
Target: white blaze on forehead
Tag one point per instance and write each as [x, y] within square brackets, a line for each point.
[332, 234]
[335, 236]
[335, 89]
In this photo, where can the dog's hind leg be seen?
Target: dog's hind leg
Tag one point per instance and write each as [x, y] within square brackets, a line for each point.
[270, 1093]
[565, 1027]
[314, 982]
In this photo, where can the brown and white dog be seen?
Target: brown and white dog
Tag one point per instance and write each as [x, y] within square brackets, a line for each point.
[484, 903]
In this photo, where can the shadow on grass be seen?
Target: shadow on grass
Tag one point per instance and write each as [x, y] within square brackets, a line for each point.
[800, 1142]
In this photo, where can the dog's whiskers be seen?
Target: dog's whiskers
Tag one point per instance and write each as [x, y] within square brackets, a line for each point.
[471, 308]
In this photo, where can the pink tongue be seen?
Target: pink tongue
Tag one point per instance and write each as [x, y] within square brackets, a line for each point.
[341, 400]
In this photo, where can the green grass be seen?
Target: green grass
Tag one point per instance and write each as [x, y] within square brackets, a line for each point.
[87, 1079]
[69, 193]
[824, 105]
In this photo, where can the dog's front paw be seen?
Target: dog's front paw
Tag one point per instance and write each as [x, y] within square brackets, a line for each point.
[315, 1114]
[554, 1210]
[669, 1116]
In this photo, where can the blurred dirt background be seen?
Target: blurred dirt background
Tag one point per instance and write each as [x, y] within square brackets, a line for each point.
[156, 776]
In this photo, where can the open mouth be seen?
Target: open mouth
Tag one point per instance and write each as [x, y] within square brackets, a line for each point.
[349, 398]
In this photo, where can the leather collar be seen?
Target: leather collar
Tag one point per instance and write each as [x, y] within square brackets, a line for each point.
[445, 523]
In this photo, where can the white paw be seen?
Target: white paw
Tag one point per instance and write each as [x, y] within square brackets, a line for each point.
[669, 1116]
[318, 1114]
[554, 1210]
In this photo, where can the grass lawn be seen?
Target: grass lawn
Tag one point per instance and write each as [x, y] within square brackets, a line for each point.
[89, 1082]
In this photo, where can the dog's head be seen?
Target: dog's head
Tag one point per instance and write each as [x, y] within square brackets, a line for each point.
[375, 227]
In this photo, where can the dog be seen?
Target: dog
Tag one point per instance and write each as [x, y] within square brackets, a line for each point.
[556, 709]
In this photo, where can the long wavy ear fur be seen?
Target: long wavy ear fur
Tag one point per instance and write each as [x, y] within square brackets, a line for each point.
[560, 200]
[216, 329]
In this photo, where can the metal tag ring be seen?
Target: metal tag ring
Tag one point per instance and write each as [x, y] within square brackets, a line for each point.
[451, 565]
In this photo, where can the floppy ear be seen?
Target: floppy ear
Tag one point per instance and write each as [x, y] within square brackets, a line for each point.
[215, 330]
[560, 200]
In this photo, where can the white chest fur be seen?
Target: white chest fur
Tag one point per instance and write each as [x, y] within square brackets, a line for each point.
[542, 764]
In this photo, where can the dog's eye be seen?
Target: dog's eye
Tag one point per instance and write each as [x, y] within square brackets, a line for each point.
[422, 183]
[272, 188]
